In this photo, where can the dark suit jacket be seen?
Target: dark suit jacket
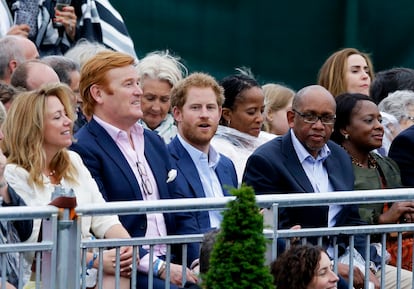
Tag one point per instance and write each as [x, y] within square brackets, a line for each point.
[189, 183]
[401, 151]
[116, 180]
[275, 168]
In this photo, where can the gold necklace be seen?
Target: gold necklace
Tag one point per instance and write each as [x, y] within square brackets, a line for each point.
[372, 163]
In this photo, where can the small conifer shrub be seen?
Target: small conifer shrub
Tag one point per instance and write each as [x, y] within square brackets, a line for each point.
[238, 257]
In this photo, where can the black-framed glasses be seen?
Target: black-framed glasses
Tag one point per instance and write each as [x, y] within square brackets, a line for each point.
[145, 181]
[313, 118]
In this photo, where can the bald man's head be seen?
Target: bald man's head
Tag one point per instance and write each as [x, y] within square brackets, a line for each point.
[28, 48]
[15, 50]
[32, 74]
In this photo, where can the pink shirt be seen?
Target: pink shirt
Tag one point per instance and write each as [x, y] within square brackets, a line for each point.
[134, 154]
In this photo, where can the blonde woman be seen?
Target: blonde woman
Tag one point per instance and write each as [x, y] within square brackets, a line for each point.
[37, 132]
[278, 100]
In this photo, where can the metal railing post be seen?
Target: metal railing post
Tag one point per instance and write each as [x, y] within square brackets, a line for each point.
[68, 252]
[48, 262]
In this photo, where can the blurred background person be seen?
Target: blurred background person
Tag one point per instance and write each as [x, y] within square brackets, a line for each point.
[83, 50]
[32, 74]
[401, 152]
[278, 100]
[52, 30]
[240, 130]
[7, 26]
[358, 130]
[391, 130]
[397, 110]
[347, 70]
[7, 94]
[390, 80]
[11, 231]
[304, 267]
[14, 50]
[400, 104]
[66, 69]
[158, 72]
[69, 73]
[55, 30]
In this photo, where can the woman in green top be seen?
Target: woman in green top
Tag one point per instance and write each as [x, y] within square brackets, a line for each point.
[359, 131]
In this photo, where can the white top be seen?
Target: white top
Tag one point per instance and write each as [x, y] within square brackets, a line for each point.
[5, 18]
[238, 146]
[86, 191]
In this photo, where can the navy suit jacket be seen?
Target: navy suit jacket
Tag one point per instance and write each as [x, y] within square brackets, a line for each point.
[274, 168]
[189, 184]
[116, 180]
[401, 151]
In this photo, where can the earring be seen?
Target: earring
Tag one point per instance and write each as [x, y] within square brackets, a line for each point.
[229, 122]
[346, 136]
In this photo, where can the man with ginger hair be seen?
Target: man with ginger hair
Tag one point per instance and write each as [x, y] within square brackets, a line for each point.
[202, 171]
[127, 161]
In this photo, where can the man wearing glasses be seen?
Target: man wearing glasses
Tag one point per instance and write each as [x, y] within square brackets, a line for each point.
[304, 160]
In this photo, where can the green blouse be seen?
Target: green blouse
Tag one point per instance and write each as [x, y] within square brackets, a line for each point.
[370, 179]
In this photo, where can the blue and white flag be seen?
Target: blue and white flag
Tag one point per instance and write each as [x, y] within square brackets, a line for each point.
[102, 23]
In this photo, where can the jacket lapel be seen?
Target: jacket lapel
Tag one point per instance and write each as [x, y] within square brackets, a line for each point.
[187, 167]
[335, 173]
[107, 144]
[293, 165]
[157, 163]
[224, 177]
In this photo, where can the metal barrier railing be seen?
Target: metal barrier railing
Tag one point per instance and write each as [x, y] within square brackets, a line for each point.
[67, 273]
[48, 246]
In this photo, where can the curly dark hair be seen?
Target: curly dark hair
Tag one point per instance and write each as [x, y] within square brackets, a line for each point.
[296, 267]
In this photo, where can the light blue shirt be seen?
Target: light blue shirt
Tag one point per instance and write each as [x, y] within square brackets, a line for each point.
[206, 167]
[316, 173]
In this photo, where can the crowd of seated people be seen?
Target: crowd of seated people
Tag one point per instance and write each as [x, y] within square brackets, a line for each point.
[150, 129]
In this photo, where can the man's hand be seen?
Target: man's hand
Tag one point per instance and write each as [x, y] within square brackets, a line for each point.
[359, 277]
[68, 18]
[177, 277]
[374, 279]
[398, 210]
[21, 30]
[126, 259]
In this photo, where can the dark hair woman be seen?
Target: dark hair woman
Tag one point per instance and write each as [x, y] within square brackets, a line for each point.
[303, 267]
[358, 130]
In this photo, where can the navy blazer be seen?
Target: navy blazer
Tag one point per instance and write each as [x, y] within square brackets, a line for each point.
[117, 181]
[401, 152]
[274, 168]
[189, 184]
